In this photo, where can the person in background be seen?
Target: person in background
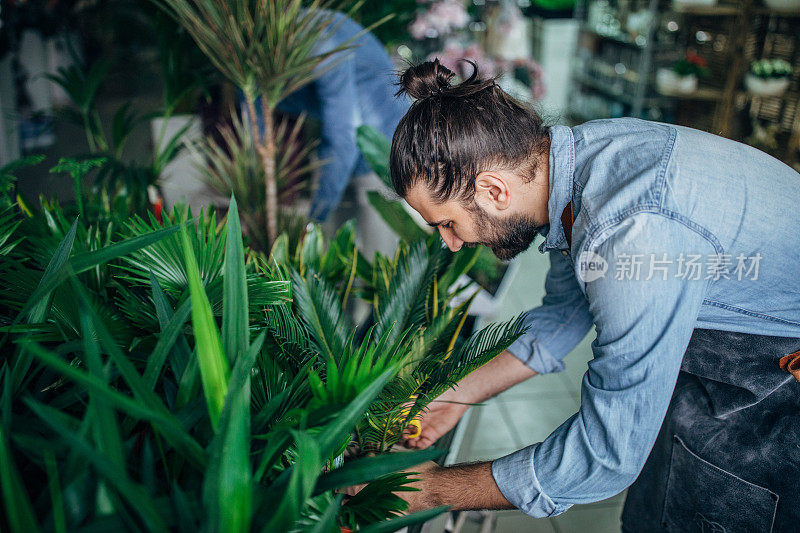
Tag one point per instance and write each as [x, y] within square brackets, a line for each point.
[356, 87]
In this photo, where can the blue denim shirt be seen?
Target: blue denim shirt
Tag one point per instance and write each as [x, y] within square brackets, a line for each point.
[355, 87]
[660, 199]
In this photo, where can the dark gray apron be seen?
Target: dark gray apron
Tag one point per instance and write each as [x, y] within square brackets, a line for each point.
[727, 458]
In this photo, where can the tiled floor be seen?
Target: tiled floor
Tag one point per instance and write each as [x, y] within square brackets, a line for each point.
[527, 413]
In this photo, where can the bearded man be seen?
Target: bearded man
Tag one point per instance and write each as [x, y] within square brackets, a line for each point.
[681, 248]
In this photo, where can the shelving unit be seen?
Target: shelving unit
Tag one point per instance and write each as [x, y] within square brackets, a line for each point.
[619, 53]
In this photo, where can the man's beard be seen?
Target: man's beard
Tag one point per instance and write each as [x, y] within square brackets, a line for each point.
[507, 237]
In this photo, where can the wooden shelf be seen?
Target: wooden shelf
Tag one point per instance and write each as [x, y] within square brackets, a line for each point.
[621, 96]
[621, 38]
[703, 93]
[727, 10]
[788, 13]
[721, 10]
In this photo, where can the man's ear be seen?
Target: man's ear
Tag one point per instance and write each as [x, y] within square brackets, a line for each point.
[492, 191]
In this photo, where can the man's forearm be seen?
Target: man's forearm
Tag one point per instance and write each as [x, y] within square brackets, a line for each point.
[467, 486]
[499, 374]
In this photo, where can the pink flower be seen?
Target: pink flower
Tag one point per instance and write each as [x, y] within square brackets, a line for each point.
[439, 19]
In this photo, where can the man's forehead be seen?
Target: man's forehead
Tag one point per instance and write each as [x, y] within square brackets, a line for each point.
[421, 200]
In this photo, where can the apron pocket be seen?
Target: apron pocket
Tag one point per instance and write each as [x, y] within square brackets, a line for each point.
[704, 498]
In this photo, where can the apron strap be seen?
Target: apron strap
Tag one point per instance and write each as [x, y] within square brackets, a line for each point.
[566, 223]
[791, 364]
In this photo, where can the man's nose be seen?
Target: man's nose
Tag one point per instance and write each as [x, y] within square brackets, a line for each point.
[450, 239]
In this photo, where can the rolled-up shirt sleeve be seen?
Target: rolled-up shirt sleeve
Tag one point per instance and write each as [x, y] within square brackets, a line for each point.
[559, 324]
[643, 328]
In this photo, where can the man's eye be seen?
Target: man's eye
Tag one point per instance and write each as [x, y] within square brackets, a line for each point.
[448, 225]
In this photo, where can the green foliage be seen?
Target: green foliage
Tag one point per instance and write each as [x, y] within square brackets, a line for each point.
[110, 416]
[82, 83]
[414, 324]
[771, 68]
[375, 148]
[160, 374]
[77, 169]
[120, 180]
[264, 48]
[8, 176]
[233, 166]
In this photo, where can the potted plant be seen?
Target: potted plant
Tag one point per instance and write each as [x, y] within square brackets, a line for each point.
[187, 75]
[177, 390]
[768, 77]
[268, 54]
[683, 77]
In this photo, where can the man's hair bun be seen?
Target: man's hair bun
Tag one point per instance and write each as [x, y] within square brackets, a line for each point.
[426, 79]
[433, 79]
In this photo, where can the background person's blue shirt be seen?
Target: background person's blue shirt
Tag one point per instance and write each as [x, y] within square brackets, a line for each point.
[664, 195]
[358, 89]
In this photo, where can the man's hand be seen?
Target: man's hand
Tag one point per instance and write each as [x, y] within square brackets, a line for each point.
[440, 417]
[445, 411]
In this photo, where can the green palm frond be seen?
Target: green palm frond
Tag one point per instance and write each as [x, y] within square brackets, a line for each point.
[402, 304]
[354, 369]
[276, 391]
[9, 222]
[378, 501]
[165, 258]
[289, 335]
[318, 306]
[262, 47]
[446, 370]
[167, 263]
[382, 426]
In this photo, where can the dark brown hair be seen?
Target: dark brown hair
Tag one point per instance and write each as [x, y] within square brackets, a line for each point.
[454, 132]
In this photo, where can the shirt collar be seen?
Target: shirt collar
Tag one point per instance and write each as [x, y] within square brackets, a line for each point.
[562, 170]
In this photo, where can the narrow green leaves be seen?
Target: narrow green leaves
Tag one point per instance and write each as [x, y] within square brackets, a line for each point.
[404, 521]
[395, 215]
[369, 468]
[19, 512]
[214, 369]
[235, 334]
[375, 148]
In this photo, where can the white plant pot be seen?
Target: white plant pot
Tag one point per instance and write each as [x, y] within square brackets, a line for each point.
[669, 83]
[783, 5]
[181, 181]
[766, 87]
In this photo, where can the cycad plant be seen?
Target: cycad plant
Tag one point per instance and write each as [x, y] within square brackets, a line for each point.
[267, 49]
[198, 422]
[413, 321]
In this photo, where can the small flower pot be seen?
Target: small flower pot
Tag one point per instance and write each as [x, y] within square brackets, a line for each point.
[766, 86]
[669, 83]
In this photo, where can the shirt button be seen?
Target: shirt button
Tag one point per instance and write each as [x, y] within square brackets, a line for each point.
[564, 252]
